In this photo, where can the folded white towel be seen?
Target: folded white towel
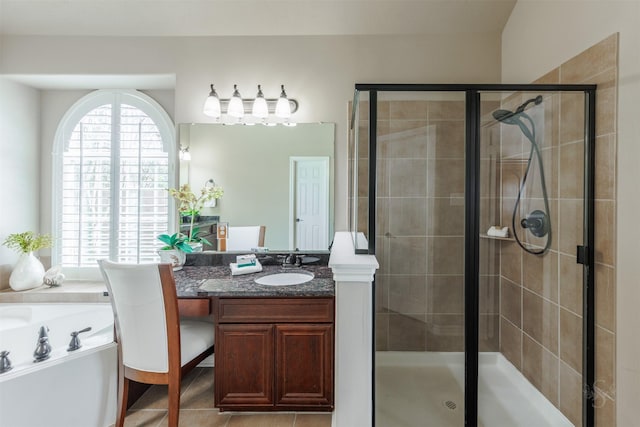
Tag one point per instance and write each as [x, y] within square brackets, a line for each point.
[497, 231]
[235, 270]
[246, 260]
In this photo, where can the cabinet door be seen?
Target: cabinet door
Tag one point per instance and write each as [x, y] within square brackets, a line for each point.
[244, 366]
[304, 366]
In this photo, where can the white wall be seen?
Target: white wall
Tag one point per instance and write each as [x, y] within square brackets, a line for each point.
[538, 37]
[320, 72]
[19, 167]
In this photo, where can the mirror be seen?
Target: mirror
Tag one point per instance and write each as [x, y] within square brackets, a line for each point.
[277, 176]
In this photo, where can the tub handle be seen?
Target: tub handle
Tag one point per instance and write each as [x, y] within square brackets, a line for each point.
[75, 341]
[5, 363]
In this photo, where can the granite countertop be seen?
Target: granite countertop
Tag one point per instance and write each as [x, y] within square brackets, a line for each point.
[218, 282]
[195, 280]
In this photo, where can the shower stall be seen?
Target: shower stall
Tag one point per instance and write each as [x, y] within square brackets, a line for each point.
[477, 201]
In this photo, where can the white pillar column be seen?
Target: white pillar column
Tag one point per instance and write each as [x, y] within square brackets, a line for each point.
[353, 275]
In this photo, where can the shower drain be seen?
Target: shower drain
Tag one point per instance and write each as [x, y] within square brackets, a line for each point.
[450, 404]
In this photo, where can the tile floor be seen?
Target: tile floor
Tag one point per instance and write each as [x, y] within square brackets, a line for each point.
[196, 409]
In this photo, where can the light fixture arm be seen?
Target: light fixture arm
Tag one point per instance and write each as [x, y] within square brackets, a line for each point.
[260, 107]
[271, 103]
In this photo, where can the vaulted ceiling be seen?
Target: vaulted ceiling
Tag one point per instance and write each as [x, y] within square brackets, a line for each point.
[251, 17]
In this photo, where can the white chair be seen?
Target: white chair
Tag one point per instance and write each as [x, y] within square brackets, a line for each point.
[245, 238]
[154, 345]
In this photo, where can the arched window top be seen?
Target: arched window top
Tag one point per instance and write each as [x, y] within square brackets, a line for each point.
[105, 98]
[113, 161]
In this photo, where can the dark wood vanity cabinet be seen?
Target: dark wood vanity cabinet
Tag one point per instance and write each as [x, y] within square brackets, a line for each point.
[274, 354]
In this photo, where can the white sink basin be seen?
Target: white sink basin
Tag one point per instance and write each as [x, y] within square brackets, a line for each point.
[284, 279]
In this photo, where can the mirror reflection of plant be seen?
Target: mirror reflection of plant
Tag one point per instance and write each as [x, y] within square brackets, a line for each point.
[196, 236]
[28, 241]
[190, 204]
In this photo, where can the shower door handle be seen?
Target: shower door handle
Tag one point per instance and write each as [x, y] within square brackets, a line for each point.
[582, 256]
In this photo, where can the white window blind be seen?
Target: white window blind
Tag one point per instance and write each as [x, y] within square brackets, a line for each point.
[115, 172]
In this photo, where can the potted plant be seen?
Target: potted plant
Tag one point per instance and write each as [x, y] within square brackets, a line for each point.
[175, 249]
[190, 204]
[196, 239]
[28, 272]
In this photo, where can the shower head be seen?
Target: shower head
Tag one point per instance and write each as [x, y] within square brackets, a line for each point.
[537, 100]
[509, 117]
[505, 116]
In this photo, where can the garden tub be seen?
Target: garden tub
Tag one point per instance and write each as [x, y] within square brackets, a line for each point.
[69, 389]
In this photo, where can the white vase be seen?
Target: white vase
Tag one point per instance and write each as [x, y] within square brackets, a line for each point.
[175, 257]
[27, 274]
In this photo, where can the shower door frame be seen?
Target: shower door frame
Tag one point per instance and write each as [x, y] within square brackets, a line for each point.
[585, 253]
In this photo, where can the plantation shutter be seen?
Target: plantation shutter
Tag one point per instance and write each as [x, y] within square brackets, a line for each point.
[115, 172]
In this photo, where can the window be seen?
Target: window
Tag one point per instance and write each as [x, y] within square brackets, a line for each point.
[111, 170]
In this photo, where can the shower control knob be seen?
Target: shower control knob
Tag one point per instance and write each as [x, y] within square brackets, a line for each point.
[537, 222]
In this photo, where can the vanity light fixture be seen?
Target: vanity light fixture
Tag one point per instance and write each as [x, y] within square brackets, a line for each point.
[212, 104]
[184, 154]
[236, 107]
[283, 109]
[260, 108]
[263, 111]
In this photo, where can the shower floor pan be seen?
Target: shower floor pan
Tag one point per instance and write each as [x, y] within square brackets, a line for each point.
[426, 389]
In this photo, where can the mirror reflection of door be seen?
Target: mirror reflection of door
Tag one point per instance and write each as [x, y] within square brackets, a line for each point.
[309, 206]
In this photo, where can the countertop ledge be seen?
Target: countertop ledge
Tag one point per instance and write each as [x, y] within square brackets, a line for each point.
[189, 282]
[218, 282]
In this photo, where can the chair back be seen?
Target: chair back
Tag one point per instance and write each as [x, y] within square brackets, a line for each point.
[245, 238]
[145, 308]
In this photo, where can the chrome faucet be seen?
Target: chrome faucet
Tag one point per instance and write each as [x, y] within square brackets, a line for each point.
[75, 341]
[292, 260]
[43, 349]
[5, 363]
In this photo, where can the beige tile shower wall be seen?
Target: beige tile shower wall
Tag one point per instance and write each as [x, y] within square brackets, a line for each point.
[420, 230]
[541, 297]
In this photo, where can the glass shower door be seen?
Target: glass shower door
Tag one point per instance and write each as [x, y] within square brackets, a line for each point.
[532, 199]
[419, 243]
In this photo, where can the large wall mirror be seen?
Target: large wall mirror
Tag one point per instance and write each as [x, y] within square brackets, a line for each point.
[277, 176]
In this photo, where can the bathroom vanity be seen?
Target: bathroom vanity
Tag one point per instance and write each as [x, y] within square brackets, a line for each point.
[274, 353]
[274, 344]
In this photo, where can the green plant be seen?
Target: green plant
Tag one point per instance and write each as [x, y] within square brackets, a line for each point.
[196, 236]
[175, 241]
[28, 241]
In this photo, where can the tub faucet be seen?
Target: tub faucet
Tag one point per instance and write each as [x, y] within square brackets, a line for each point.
[43, 349]
[5, 363]
[75, 341]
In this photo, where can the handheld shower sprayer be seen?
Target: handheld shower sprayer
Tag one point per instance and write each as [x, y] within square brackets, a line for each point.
[511, 117]
[537, 222]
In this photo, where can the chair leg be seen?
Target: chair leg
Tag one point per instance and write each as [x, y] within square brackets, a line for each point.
[123, 396]
[174, 402]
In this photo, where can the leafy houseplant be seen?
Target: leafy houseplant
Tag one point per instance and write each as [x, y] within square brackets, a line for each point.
[175, 249]
[28, 241]
[190, 204]
[177, 241]
[195, 236]
[28, 272]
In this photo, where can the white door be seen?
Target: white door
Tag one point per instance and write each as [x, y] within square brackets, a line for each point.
[310, 213]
